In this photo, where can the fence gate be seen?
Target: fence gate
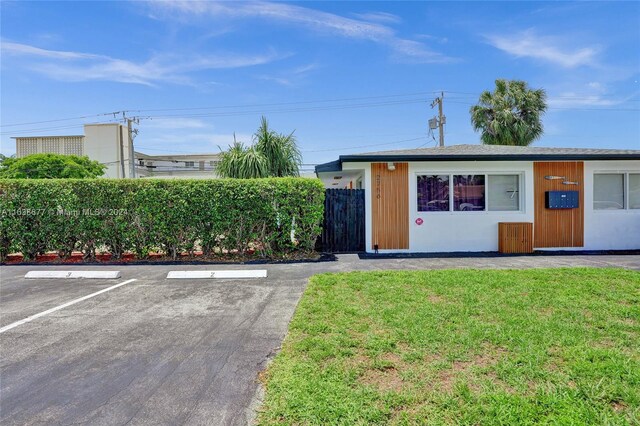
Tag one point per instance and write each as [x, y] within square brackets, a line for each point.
[343, 227]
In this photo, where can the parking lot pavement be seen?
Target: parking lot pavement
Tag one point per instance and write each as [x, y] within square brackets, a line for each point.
[152, 351]
[158, 351]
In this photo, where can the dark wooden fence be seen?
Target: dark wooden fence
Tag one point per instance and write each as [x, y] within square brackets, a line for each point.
[343, 229]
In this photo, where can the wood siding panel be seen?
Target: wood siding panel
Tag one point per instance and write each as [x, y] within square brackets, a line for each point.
[515, 237]
[390, 206]
[558, 227]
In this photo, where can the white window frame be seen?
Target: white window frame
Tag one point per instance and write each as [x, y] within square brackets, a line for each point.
[486, 174]
[625, 191]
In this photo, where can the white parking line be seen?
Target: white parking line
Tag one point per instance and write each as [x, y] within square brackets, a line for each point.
[255, 273]
[73, 274]
[57, 308]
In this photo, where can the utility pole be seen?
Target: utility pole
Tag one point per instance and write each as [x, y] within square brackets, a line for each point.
[441, 120]
[132, 132]
[130, 151]
[121, 151]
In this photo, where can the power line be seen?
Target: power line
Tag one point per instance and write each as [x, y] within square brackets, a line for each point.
[234, 113]
[291, 110]
[565, 108]
[223, 107]
[43, 129]
[320, 101]
[286, 103]
[365, 146]
[56, 120]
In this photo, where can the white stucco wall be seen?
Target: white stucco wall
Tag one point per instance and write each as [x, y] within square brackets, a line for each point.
[478, 231]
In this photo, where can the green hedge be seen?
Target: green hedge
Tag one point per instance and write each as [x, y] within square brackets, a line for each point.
[273, 217]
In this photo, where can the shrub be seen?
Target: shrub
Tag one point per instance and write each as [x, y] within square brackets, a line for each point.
[275, 217]
[50, 166]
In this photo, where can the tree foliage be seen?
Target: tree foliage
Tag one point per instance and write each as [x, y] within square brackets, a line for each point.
[271, 155]
[511, 115]
[50, 166]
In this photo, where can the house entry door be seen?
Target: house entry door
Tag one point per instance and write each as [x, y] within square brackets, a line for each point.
[390, 205]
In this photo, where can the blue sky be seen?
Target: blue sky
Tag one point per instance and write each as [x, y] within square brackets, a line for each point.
[348, 77]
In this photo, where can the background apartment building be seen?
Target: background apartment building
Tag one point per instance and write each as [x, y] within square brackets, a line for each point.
[110, 145]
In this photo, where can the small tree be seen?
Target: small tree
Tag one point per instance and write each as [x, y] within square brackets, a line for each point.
[511, 115]
[272, 155]
[50, 166]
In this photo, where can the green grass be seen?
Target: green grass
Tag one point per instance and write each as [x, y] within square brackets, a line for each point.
[550, 346]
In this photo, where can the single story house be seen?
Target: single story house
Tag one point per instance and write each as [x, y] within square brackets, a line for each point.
[475, 198]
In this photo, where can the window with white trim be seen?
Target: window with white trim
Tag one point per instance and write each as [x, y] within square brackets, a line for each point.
[433, 193]
[616, 191]
[504, 192]
[470, 192]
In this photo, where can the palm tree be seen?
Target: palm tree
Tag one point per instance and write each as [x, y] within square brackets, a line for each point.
[272, 155]
[511, 115]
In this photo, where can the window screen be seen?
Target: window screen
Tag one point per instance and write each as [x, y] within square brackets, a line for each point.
[504, 192]
[608, 191]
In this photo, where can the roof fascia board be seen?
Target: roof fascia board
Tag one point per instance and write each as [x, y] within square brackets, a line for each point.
[509, 157]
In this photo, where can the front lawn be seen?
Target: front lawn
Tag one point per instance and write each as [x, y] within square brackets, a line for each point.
[552, 346]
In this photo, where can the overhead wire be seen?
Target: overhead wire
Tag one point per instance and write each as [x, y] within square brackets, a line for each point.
[364, 146]
[318, 101]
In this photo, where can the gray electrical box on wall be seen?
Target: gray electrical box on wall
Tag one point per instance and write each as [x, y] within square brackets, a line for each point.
[561, 199]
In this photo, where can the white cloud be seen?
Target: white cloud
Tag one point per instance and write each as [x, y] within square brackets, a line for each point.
[431, 37]
[383, 17]
[528, 44]
[292, 77]
[303, 69]
[591, 94]
[575, 99]
[283, 81]
[23, 49]
[79, 66]
[324, 22]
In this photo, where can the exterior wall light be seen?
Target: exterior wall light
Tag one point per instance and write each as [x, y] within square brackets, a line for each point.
[391, 166]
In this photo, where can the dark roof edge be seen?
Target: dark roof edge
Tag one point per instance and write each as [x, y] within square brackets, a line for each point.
[476, 157]
[332, 166]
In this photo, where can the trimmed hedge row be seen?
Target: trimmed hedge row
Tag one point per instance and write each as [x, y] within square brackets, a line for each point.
[273, 217]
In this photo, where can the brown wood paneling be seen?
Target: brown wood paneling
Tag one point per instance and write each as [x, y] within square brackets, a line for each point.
[558, 227]
[515, 237]
[390, 206]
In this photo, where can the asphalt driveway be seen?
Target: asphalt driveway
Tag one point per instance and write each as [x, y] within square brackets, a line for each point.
[158, 351]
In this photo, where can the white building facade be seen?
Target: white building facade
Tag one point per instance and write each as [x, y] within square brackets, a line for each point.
[452, 199]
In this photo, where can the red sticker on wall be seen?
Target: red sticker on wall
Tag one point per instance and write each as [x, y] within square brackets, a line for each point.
[419, 221]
